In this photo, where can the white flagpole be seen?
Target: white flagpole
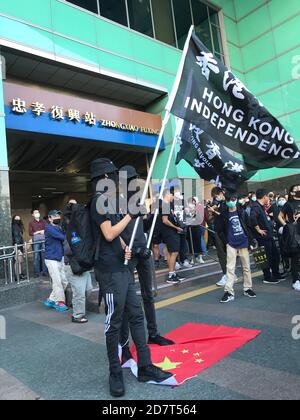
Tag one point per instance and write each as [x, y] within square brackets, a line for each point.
[164, 124]
[179, 125]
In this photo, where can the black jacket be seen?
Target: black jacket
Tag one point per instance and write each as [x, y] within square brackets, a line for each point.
[222, 226]
[258, 217]
[17, 234]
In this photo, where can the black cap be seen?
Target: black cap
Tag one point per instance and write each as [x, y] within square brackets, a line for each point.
[102, 166]
[131, 171]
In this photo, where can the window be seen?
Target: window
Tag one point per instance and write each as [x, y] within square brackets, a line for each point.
[163, 21]
[90, 5]
[140, 18]
[201, 21]
[183, 20]
[114, 10]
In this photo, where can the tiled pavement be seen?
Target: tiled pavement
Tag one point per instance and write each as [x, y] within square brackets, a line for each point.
[47, 357]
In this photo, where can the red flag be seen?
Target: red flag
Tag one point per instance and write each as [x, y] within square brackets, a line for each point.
[198, 347]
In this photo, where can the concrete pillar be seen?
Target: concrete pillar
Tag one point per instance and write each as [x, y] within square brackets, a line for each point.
[5, 212]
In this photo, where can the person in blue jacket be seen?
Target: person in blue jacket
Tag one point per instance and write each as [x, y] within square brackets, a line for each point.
[54, 260]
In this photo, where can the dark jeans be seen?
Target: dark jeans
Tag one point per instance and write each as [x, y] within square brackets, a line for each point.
[295, 261]
[184, 249]
[272, 256]
[120, 296]
[145, 278]
[39, 255]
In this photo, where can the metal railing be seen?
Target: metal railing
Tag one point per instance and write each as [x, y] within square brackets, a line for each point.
[15, 263]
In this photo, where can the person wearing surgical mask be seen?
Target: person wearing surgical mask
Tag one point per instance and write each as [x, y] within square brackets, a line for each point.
[234, 230]
[290, 213]
[54, 259]
[37, 232]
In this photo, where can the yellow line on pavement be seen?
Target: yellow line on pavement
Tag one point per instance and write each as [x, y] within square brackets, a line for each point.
[190, 295]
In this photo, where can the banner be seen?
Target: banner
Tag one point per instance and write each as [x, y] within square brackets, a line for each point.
[212, 98]
[211, 160]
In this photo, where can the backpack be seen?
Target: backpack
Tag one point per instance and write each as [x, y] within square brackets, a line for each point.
[291, 239]
[81, 236]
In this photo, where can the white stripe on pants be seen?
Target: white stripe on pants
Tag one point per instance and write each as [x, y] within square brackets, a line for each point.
[59, 282]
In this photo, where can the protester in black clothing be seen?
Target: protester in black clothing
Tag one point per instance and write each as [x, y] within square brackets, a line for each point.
[290, 213]
[141, 261]
[117, 281]
[170, 232]
[17, 229]
[275, 210]
[263, 230]
[214, 210]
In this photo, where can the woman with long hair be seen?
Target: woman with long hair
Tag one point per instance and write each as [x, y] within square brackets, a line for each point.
[17, 237]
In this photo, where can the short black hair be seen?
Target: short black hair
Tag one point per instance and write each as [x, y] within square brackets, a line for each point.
[230, 195]
[216, 191]
[261, 193]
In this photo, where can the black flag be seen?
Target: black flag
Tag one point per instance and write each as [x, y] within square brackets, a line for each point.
[211, 160]
[212, 98]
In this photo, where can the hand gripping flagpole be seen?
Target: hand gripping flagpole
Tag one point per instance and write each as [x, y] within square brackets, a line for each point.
[164, 124]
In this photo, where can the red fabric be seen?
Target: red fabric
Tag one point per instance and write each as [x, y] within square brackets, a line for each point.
[198, 347]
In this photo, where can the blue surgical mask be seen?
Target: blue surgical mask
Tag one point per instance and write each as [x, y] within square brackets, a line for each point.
[231, 204]
[254, 199]
[281, 203]
[219, 199]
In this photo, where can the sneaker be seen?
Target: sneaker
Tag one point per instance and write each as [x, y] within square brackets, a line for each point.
[175, 279]
[228, 297]
[271, 281]
[80, 320]
[60, 307]
[177, 266]
[126, 355]
[223, 281]
[49, 303]
[186, 264]
[116, 384]
[280, 276]
[296, 286]
[200, 260]
[160, 341]
[153, 373]
[249, 293]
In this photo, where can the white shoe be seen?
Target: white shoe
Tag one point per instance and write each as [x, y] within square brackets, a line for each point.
[223, 281]
[177, 266]
[296, 286]
[186, 264]
[200, 260]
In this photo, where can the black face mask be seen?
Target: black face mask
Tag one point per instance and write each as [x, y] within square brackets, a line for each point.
[297, 194]
[57, 222]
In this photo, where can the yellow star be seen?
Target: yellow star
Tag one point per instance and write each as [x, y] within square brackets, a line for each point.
[197, 354]
[185, 351]
[199, 361]
[168, 365]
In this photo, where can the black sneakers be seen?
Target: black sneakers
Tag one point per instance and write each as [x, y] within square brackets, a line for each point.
[249, 293]
[160, 341]
[175, 279]
[116, 384]
[228, 297]
[152, 373]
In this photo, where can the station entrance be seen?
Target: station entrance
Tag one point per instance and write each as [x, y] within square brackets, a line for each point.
[46, 171]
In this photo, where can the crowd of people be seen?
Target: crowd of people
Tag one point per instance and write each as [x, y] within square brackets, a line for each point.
[233, 224]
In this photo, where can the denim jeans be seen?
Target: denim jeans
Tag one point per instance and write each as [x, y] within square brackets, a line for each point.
[39, 252]
[203, 243]
[81, 285]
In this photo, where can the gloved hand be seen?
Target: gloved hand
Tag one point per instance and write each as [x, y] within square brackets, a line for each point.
[280, 230]
[142, 253]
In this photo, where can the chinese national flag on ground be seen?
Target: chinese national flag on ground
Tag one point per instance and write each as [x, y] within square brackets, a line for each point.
[198, 347]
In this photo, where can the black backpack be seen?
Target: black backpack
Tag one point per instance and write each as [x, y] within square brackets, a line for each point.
[80, 233]
[291, 239]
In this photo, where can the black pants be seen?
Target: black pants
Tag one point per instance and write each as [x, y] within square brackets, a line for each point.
[144, 270]
[120, 297]
[222, 253]
[184, 249]
[272, 256]
[295, 265]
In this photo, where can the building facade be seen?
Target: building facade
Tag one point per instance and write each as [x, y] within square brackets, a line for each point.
[87, 78]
